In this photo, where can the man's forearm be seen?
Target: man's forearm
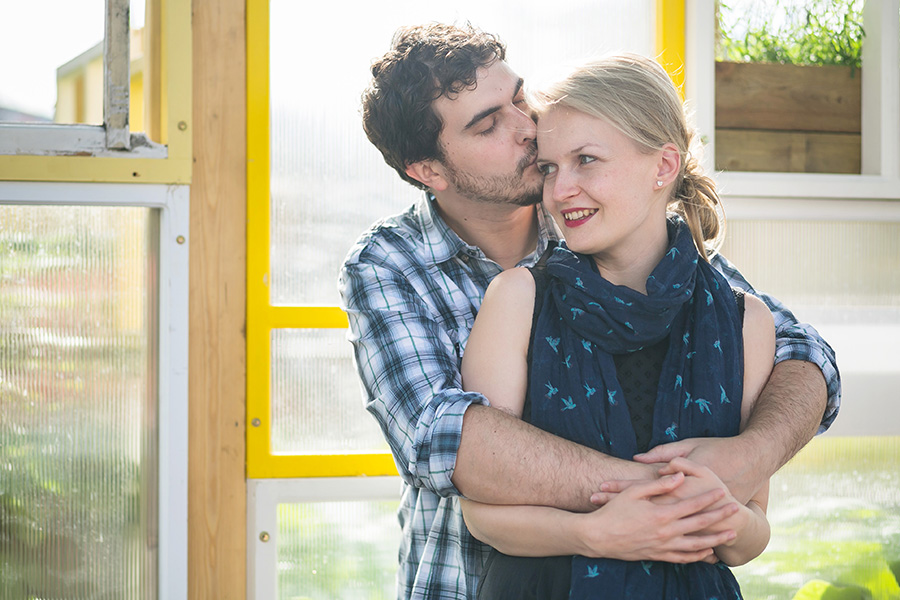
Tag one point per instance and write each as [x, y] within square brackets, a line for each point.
[503, 460]
[784, 418]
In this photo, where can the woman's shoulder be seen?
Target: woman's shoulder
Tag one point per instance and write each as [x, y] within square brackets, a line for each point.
[757, 316]
[511, 284]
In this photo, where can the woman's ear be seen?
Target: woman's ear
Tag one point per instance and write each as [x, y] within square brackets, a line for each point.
[428, 172]
[669, 164]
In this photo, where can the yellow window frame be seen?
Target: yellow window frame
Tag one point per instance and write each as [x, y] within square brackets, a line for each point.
[263, 317]
[176, 107]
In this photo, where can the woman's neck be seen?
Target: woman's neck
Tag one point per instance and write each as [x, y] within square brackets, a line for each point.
[632, 263]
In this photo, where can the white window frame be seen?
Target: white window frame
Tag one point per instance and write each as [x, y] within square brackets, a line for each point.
[263, 498]
[173, 204]
[880, 177]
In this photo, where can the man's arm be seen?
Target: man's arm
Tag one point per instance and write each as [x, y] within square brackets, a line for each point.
[409, 366]
[801, 397]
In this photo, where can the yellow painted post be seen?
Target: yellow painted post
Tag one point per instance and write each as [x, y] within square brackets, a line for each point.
[262, 317]
[670, 39]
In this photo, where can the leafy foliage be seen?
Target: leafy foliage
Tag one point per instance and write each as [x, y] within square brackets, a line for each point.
[814, 32]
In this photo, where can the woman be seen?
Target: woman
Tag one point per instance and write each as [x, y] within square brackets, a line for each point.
[627, 339]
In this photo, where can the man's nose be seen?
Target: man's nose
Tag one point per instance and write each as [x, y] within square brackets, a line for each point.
[526, 129]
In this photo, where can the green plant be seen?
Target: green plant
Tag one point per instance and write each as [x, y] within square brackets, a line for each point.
[810, 32]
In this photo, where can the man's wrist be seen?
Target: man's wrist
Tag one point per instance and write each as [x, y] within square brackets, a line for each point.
[753, 469]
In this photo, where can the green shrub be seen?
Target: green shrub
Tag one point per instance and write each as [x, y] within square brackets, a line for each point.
[813, 32]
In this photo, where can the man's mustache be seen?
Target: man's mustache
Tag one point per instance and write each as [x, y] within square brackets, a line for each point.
[528, 158]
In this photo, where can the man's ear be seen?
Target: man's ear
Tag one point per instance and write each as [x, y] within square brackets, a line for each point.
[428, 172]
[669, 164]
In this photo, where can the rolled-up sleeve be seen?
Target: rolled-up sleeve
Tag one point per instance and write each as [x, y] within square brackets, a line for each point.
[408, 363]
[794, 340]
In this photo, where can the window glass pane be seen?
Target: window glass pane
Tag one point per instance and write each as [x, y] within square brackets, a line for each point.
[835, 516]
[317, 404]
[57, 72]
[337, 550]
[788, 86]
[78, 396]
[844, 278]
[328, 183]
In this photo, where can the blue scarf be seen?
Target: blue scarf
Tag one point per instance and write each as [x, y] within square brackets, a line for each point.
[575, 392]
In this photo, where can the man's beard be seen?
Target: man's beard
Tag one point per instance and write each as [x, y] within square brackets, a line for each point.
[498, 189]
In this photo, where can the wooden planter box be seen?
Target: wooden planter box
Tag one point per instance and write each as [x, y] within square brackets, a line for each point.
[787, 118]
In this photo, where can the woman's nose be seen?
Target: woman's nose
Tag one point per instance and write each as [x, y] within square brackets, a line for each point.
[562, 186]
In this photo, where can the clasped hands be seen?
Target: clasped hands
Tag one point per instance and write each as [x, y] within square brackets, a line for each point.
[682, 516]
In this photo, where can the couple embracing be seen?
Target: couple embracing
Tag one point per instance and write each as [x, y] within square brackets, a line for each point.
[607, 426]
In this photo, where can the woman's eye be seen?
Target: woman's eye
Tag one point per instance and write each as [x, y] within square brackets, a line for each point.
[585, 159]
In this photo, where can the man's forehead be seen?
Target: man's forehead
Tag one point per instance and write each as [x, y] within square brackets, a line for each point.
[495, 84]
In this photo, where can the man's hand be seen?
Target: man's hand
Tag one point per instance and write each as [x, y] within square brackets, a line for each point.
[635, 525]
[733, 460]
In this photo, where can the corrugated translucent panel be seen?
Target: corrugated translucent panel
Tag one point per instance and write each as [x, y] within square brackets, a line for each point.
[78, 422]
[844, 278]
[328, 183]
[834, 264]
[337, 550]
[835, 516]
[316, 402]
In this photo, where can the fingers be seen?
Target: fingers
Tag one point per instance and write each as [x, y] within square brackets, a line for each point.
[601, 498]
[703, 521]
[639, 488]
[684, 465]
[665, 452]
[706, 555]
[692, 506]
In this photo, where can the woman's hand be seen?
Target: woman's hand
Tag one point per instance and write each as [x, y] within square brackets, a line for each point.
[646, 520]
[747, 523]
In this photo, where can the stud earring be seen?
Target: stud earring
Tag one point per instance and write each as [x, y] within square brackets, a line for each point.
[659, 183]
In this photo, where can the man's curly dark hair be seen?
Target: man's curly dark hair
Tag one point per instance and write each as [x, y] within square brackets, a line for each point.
[424, 63]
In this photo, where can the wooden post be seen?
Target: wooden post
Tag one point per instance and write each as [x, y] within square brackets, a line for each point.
[217, 544]
[116, 74]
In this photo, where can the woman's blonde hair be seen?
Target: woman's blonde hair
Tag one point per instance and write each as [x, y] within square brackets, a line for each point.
[635, 95]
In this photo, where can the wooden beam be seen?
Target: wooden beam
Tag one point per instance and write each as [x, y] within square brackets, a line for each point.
[217, 498]
[787, 151]
[788, 97]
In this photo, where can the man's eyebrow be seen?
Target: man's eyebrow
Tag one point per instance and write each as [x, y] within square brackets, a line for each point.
[491, 110]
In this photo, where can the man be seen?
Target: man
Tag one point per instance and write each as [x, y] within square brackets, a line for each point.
[449, 116]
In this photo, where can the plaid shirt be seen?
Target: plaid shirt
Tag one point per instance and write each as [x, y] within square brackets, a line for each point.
[411, 288]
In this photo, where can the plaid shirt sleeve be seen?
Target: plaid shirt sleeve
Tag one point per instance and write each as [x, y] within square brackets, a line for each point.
[794, 340]
[408, 362]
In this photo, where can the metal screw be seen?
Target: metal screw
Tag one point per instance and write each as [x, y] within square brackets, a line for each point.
[255, 422]
[264, 536]
[180, 239]
[182, 125]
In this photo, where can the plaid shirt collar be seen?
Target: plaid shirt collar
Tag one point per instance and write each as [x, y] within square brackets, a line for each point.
[443, 244]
